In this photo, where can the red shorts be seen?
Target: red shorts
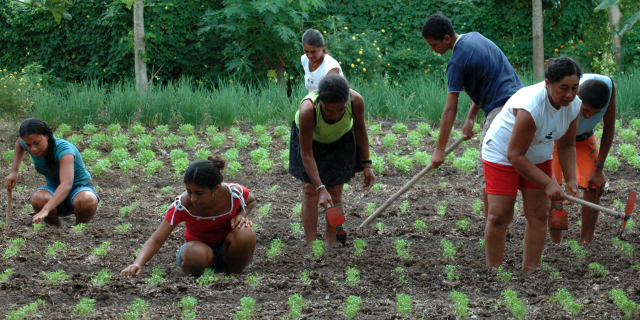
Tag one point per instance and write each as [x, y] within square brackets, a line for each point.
[505, 180]
[586, 156]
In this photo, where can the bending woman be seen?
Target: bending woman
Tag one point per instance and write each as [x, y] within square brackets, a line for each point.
[329, 144]
[316, 61]
[69, 189]
[218, 234]
[517, 152]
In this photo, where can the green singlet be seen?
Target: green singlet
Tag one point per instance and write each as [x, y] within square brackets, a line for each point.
[324, 132]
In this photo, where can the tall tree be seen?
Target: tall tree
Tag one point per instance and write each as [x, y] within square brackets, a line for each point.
[140, 60]
[604, 4]
[538, 41]
[614, 24]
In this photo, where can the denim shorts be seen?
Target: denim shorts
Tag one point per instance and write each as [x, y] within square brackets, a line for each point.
[218, 264]
[65, 208]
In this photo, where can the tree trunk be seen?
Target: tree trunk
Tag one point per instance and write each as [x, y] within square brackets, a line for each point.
[280, 74]
[538, 41]
[142, 81]
[614, 23]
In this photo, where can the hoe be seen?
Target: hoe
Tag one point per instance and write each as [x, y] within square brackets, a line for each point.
[336, 220]
[559, 221]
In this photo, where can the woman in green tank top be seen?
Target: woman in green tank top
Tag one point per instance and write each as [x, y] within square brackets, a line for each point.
[329, 144]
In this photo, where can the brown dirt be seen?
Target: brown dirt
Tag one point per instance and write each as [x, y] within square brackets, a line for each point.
[280, 277]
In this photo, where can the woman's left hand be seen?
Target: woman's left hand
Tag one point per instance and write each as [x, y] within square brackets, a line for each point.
[369, 178]
[571, 189]
[40, 215]
[238, 221]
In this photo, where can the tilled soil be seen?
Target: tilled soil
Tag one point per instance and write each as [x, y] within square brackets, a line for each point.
[280, 277]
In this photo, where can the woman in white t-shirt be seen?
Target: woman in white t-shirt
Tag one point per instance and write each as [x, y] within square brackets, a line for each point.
[516, 153]
[316, 60]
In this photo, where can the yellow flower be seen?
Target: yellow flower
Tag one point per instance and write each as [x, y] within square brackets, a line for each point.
[104, 70]
[38, 84]
[352, 65]
[87, 16]
[166, 7]
[346, 28]
[379, 57]
[151, 26]
[364, 69]
[325, 31]
[358, 60]
[362, 62]
[382, 30]
[353, 38]
[360, 52]
[388, 64]
[5, 70]
[408, 49]
[22, 70]
[96, 63]
[19, 90]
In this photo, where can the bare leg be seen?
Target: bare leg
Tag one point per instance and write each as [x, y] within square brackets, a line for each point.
[196, 256]
[589, 217]
[238, 249]
[38, 200]
[499, 215]
[86, 205]
[336, 197]
[536, 206]
[310, 212]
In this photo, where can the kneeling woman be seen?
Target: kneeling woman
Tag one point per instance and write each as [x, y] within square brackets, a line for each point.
[329, 144]
[218, 234]
[68, 190]
[516, 153]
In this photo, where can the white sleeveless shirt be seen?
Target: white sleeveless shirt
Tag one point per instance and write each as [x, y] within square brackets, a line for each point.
[312, 79]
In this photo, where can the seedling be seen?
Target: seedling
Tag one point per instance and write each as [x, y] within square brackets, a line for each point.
[465, 164]
[156, 277]
[295, 227]
[27, 208]
[598, 269]
[276, 248]
[231, 154]
[55, 247]
[163, 208]
[503, 274]
[284, 155]
[414, 138]
[248, 304]
[37, 226]
[131, 189]
[26, 311]
[12, 251]
[463, 224]
[442, 208]
[152, 167]
[79, 227]
[421, 157]
[145, 156]
[211, 130]
[402, 248]
[123, 227]
[118, 154]
[188, 305]
[287, 139]
[420, 225]
[353, 306]
[450, 271]
[127, 209]
[62, 130]
[170, 140]
[626, 247]
[552, 272]
[481, 243]
[564, 297]
[4, 276]
[101, 278]
[99, 167]
[380, 226]
[297, 209]
[161, 130]
[97, 140]
[217, 140]
[274, 188]
[102, 249]
[264, 210]
[282, 130]
[444, 184]
[378, 164]
[371, 208]
[359, 246]
[435, 134]
[233, 168]
[241, 141]
[389, 141]
[296, 302]
[89, 129]
[318, 248]
[265, 165]
[75, 139]
[112, 129]
[353, 276]
[399, 127]
[404, 207]
[119, 141]
[620, 299]
[265, 141]
[629, 135]
[404, 163]
[208, 277]
[377, 187]
[304, 277]
[626, 150]
[253, 279]
[424, 128]
[404, 304]
[635, 124]
[345, 187]
[461, 303]
[191, 142]
[84, 307]
[258, 155]
[477, 207]
[448, 248]
[375, 129]
[612, 163]
[575, 247]
[514, 304]
[55, 276]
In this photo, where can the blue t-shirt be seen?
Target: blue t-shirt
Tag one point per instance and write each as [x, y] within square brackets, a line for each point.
[586, 125]
[63, 147]
[479, 68]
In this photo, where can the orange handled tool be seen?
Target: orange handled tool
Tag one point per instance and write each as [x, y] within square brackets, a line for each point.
[558, 219]
[336, 219]
[624, 216]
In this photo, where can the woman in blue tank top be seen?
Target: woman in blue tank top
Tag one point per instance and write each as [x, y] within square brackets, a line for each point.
[68, 190]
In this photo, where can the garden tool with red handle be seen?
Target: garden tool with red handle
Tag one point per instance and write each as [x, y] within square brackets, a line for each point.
[558, 219]
[336, 219]
[624, 216]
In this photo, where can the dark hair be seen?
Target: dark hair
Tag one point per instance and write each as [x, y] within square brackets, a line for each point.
[333, 88]
[38, 126]
[558, 68]
[594, 93]
[314, 37]
[205, 173]
[436, 27]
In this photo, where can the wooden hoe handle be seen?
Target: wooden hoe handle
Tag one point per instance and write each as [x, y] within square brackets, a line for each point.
[406, 187]
[8, 218]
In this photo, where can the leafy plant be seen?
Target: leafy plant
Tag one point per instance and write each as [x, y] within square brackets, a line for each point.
[79, 227]
[208, 277]
[217, 140]
[248, 304]
[305, 278]
[55, 247]
[399, 127]
[448, 248]
[450, 271]
[404, 304]
[575, 247]
[284, 155]
[465, 164]
[629, 135]
[353, 306]
[89, 129]
[131, 189]
[598, 269]
[477, 207]
[241, 141]
[377, 164]
[191, 142]
[84, 307]
[359, 246]
[389, 141]
[137, 129]
[514, 304]
[37, 226]
[371, 208]
[402, 248]
[75, 139]
[380, 226]
[281, 130]
[161, 130]
[503, 274]
[12, 250]
[564, 297]
[188, 305]
[102, 249]
[414, 138]
[123, 227]
[265, 141]
[611, 163]
[276, 248]
[626, 247]
[295, 227]
[119, 154]
[253, 279]
[233, 168]
[119, 141]
[421, 157]
[317, 246]
[152, 167]
[628, 151]
[186, 129]
[156, 277]
[55, 276]
[620, 299]
[274, 188]
[145, 156]
[112, 129]
[424, 128]
[137, 308]
[461, 303]
[26, 311]
[353, 276]
[375, 129]
[101, 278]
[99, 167]
[420, 225]
[97, 140]
[127, 209]
[264, 210]
[296, 302]
[4, 276]
[463, 224]
[442, 208]
[297, 209]
[62, 130]
[170, 140]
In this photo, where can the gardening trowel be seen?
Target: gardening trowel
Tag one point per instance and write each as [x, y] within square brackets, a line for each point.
[336, 219]
[558, 219]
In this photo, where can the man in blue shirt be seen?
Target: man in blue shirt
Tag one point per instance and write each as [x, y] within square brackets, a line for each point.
[477, 67]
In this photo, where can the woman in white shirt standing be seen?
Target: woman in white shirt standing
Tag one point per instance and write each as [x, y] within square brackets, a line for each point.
[516, 153]
[316, 60]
